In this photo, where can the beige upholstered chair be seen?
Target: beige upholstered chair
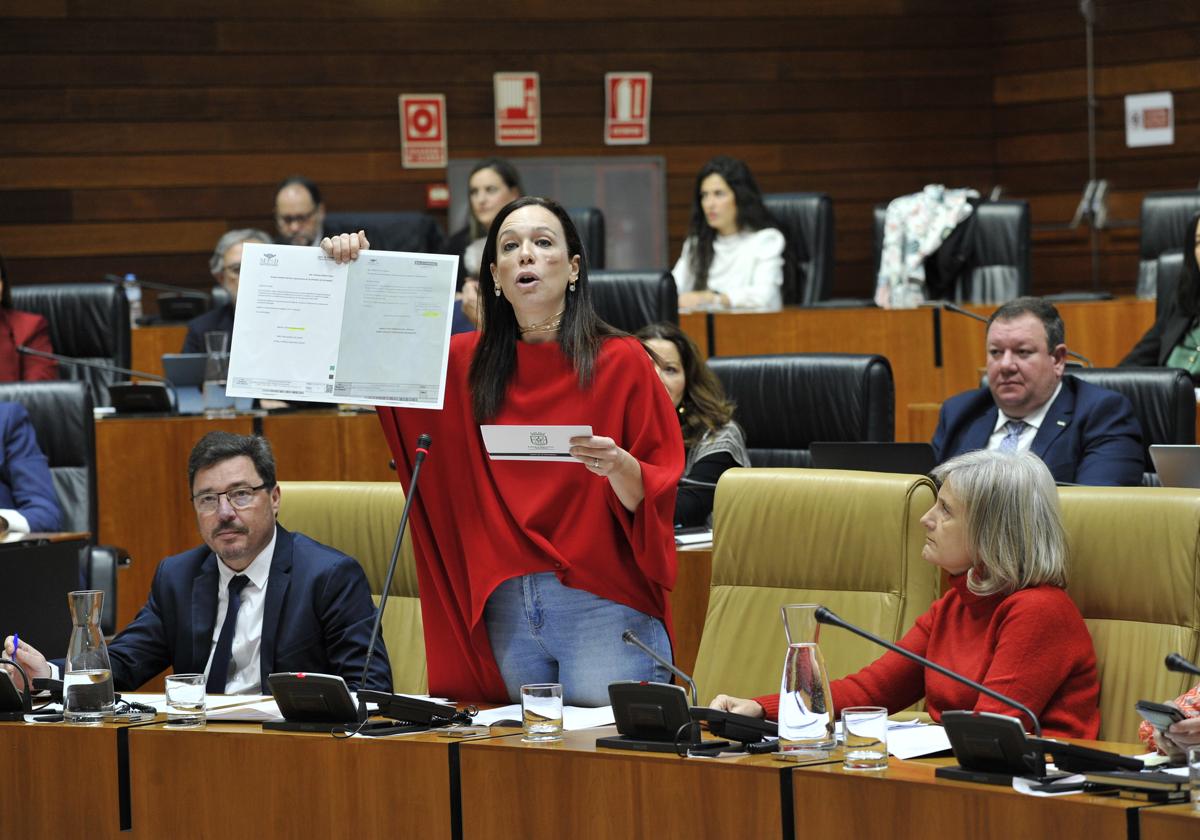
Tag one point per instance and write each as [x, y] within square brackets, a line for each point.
[1135, 575]
[360, 519]
[848, 540]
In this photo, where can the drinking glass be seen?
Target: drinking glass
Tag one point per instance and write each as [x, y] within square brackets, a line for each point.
[186, 704]
[864, 733]
[542, 712]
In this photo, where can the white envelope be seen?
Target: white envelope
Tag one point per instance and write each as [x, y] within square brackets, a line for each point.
[531, 443]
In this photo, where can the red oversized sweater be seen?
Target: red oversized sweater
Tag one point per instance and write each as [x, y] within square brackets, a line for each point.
[1031, 645]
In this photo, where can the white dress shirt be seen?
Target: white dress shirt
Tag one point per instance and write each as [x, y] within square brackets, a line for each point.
[244, 676]
[17, 523]
[747, 268]
[1032, 422]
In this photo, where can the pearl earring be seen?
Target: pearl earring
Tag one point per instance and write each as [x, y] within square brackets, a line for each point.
[497, 288]
[572, 286]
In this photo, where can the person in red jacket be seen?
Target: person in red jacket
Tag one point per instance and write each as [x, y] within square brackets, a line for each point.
[22, 329]
[1005, 622]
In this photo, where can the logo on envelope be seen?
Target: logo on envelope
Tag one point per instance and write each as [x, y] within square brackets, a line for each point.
[539, 439]
[268, 259]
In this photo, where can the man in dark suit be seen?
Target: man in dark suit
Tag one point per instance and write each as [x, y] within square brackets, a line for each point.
[1084, 434]
[27, 498]
[255, 599]
[226, 267]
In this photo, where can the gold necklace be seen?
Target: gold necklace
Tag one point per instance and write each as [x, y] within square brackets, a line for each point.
[549, 325]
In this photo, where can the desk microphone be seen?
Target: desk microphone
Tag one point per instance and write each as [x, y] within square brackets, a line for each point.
[958, 310]
[826, 616]
[161, 396]
[631, 639]
[1177, 663]
[423, 443]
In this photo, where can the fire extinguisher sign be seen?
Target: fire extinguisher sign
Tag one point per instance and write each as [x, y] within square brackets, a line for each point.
[423, 130]
[626, 109]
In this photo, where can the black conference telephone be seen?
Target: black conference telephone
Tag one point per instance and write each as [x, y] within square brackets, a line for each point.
[414, 710]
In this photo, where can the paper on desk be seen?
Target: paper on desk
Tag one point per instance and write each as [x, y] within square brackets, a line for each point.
[375, 331]
[1022, 785]
[908, 741]
[704, 537]
[574, 717]
[531, 443]
[253, 712]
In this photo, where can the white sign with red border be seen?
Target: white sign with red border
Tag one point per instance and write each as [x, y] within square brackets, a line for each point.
[518, 109]
[423, 130]
[1150, 119]
[626, 109]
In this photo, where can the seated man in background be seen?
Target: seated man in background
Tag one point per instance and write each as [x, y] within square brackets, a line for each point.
[1084, 434]
[226, 266]
[255, 599]
[299, 211]
[27, 498]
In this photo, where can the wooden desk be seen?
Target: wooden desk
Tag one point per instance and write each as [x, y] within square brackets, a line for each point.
[61, 780]
[236, 781]
[1169, 822]
[574, 790]
[689, 604]
[149, 343]
[907, 801]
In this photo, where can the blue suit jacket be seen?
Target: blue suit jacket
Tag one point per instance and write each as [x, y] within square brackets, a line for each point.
[317, 617]
[214, 320]
[25, 482]
[1089, 436]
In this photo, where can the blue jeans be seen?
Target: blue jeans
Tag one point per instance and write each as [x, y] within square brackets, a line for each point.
[544, 632]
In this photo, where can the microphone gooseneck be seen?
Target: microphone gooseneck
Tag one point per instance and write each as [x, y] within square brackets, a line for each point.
[71, 361]
[422, 450]
[1177, 663]
[631, 639]
[824, 615]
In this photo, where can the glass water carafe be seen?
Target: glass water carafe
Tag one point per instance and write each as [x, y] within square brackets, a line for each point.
[87, 674]
[216, 373]
[805, 706]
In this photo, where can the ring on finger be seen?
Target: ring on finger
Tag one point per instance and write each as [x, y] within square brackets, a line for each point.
[596, 463]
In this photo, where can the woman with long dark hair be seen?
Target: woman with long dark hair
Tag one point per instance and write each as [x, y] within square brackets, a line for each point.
[491, 184]
[1174, 339]
[22, 329]
[734, 253]
[711, 438]
[530, 571]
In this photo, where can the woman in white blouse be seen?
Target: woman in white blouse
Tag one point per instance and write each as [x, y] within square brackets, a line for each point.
[734, 253]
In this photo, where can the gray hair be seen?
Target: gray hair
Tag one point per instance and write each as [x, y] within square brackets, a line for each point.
[1013, 520]
[216, 263]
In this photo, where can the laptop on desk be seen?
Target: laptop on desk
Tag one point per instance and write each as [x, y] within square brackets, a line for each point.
[905, 458]
[1177, 465]
[186, 372]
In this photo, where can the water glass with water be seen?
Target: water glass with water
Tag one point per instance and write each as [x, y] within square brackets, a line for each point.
[542, 712]
[864, 734]
[186, 702]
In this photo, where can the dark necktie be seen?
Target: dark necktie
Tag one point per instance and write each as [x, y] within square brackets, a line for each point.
[218, 672]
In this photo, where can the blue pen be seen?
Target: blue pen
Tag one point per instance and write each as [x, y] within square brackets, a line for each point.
[16, 641]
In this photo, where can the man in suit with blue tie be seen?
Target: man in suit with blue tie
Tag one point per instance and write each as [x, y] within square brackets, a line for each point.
[253, 600]
[1083, 433]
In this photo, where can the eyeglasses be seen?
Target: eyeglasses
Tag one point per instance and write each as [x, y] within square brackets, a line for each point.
[239, 497]
[233, 270]
[298, 219]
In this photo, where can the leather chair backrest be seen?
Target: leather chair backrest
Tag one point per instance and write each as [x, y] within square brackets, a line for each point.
[1135, 575]
[412, 232]
[629, 300]
[61, 413]
[999, 269]
[1168, 268]
[589, 222]
[807, 222]
[1164, 401]
[88, 321]
[359, 518]
[785, 402]
[848, 540]
[1164, 221]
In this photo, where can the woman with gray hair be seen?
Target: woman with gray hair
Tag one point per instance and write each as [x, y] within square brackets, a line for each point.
[226, 266]
[1005, 621]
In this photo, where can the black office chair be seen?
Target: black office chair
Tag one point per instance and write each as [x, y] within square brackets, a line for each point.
[589, 221]
[88, 321]
[785, 402]
[1164, 221]
[629, 300]
[61, 413]
[807, 221]
[995, 255]
[1164, 402]
[412, 232]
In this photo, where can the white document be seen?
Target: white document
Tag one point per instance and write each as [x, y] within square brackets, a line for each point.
[574, 717]
[375, 331]
[531, 443]
[911, 741]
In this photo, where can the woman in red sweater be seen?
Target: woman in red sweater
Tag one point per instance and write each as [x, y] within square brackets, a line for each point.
[1006, 621]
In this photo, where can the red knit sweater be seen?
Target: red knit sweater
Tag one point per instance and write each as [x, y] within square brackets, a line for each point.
[1031, 645]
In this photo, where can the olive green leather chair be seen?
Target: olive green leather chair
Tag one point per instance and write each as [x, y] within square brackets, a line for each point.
[360, 519]
[848, 540]
[1135, 575]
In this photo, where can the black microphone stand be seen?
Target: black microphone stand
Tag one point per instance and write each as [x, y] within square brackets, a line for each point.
[152, 402]
[1175, 662]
